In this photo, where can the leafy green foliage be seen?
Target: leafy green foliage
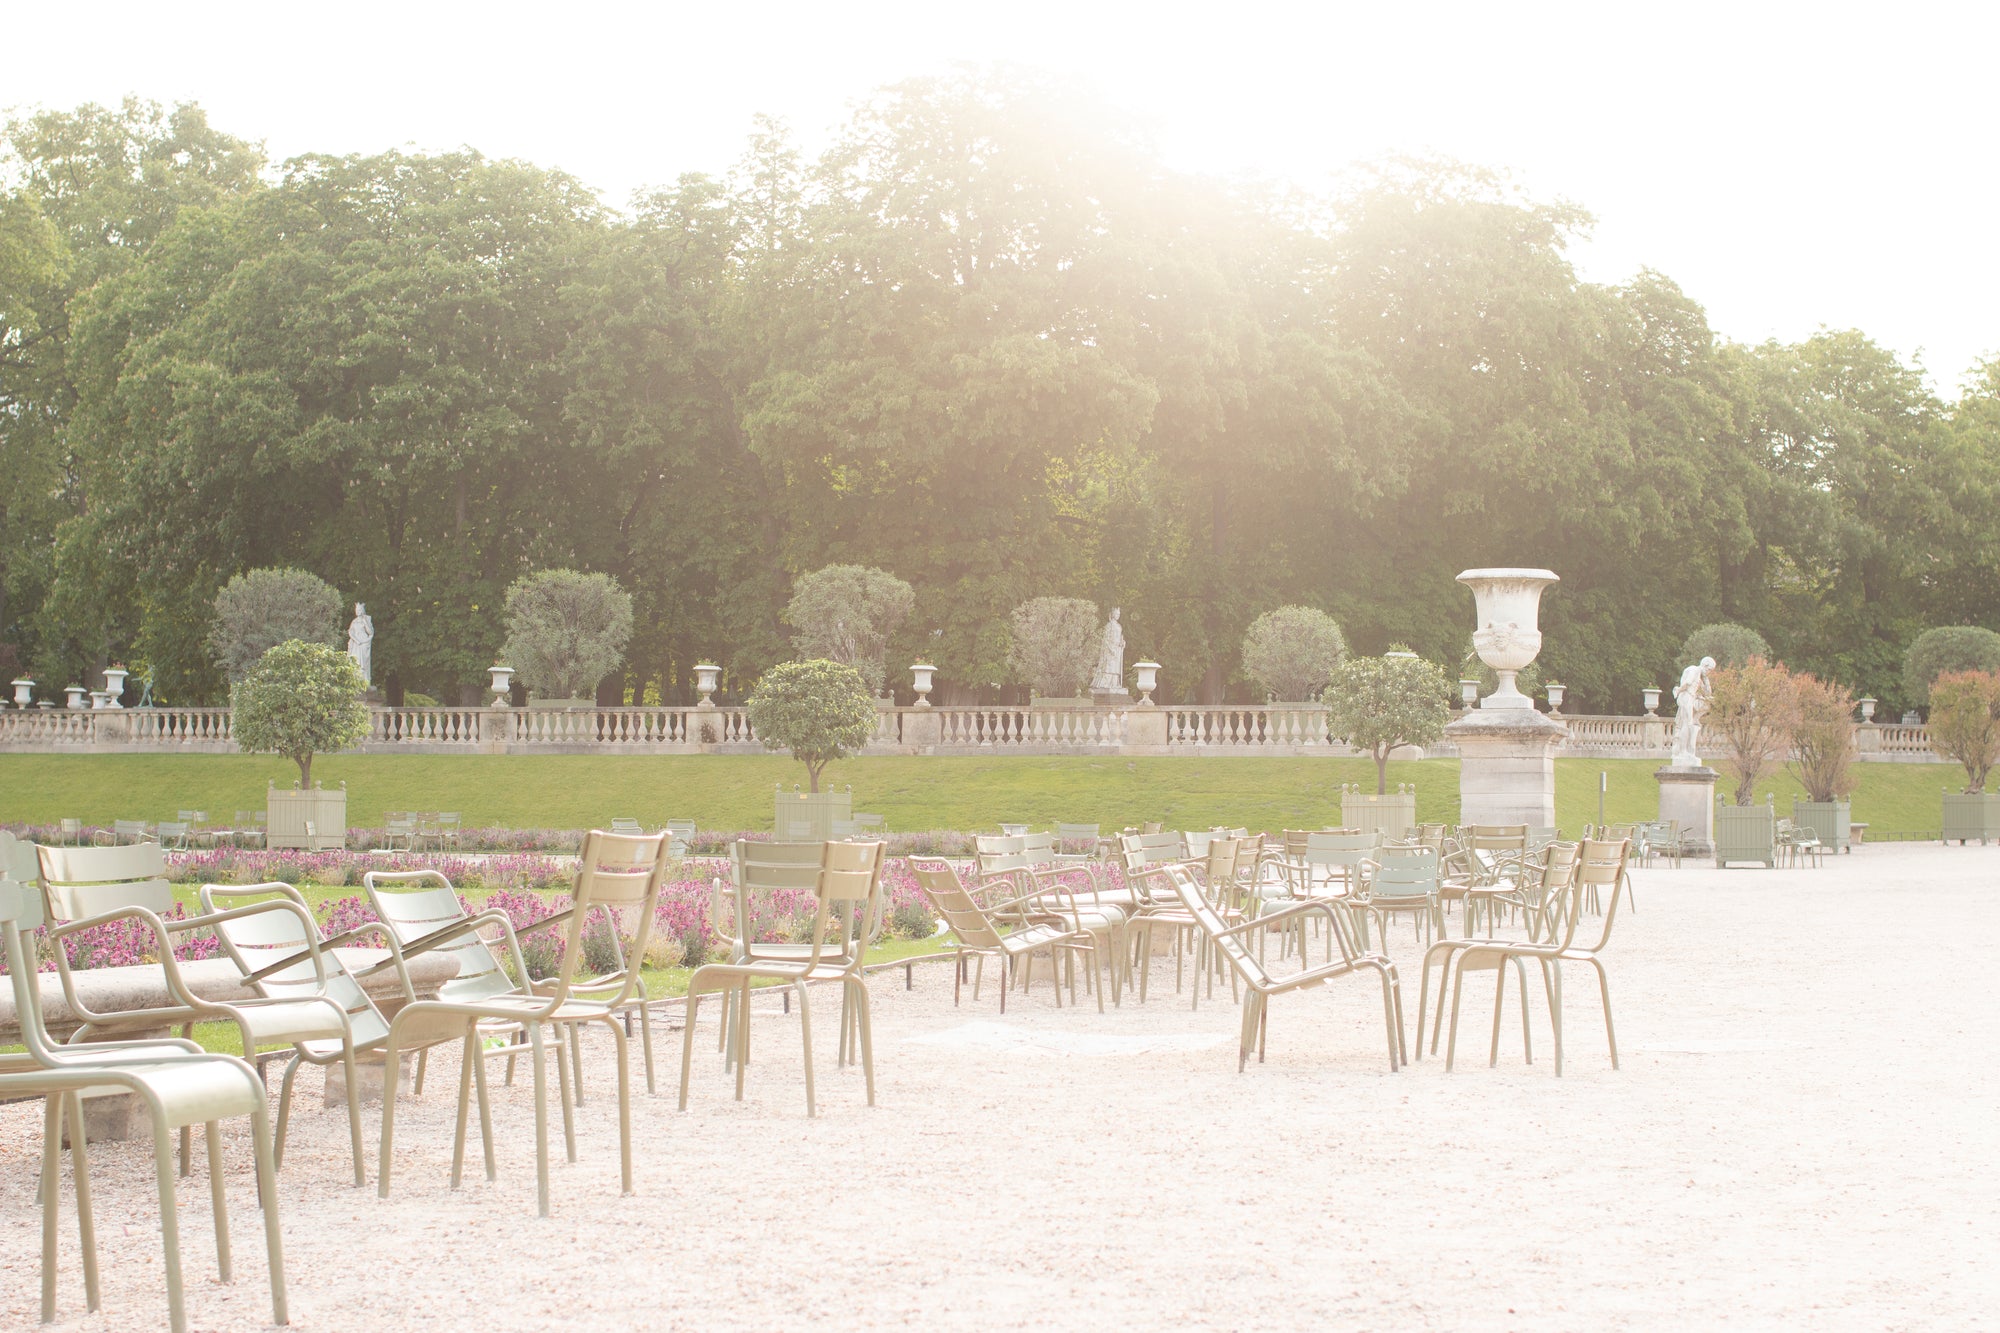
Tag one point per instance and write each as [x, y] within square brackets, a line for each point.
[1822, 738]
[1379, 703]
[986, 338]
[1055, 645]
[1947, 648]
[817, 709]
[1750, 717]
[259, 610]
[1729, 644]
[1292, 651]
[301, 699]
[846, 613]
[1965, 722]
[566, 630]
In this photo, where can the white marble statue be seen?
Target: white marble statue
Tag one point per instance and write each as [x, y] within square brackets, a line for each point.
[361, 642]
[1110, 677]
[1690, 702]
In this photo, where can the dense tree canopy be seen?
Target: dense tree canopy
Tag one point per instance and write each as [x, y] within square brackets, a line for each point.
[985, 341]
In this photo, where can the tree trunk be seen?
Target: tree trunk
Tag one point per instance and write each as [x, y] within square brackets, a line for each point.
[1382, 769]
[812, 776]
[305, 763]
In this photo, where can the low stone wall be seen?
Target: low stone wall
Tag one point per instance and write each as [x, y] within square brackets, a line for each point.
[1267, 729]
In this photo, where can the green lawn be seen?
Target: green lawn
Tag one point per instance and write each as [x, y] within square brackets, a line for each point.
[735, 792]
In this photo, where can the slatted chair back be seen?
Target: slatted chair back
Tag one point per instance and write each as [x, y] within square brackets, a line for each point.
[867, 823]
[961, 912]
[627, 827]
[681, 833]
[1194, 843]
[849, 894]
[128, 830]
[1040, 849]
[254, 943]
[173, 833]
[1329, 856]
[1209, 921]
[79, 882]
[1404, 873]
[1004, 855]
[1158, 847]
[20, 914]
[415, 903]
[841, 828]
[1077, 839]
[618, 881]
[1599, 865]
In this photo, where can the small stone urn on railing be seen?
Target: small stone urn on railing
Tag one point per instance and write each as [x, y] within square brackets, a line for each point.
[76, 695]
[706, 675]
[1556, 691]
[24, 692]
[1148, 677]
[1651, 694]
[114, 686]
[503, 685]
[920, 682]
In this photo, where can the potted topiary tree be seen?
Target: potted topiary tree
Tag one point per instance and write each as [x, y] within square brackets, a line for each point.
[1822, 740]
[1965, 726]
[1380, 703]
[820, 711]
[301, 699]
[1749, 718]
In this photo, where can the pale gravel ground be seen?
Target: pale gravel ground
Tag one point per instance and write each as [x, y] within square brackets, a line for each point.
[1801, 1136]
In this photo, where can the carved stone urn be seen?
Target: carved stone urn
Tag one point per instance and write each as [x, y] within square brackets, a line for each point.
[1508, 606]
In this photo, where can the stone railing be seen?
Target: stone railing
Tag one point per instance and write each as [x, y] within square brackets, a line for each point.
[1274, 729]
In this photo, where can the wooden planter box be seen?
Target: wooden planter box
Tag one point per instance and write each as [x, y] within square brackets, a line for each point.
[1393, 814]
[1746, 833]
[1832, 822]
[803, 816]
[307, 821]
[1969, 815]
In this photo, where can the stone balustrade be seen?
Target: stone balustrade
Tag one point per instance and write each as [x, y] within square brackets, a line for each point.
[1181, 729]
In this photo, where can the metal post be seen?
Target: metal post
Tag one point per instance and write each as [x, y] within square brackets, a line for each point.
[1603, 780]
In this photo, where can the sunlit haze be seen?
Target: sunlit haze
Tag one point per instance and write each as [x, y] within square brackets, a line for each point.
[1791, 166]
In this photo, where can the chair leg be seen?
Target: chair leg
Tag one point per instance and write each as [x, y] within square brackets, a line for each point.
[423, 1060]
[86, 1225]
[485, 1106]
[865, 1033]
[219, 1204]
[575, 1065]
[52, 1128]
[1457, 991]
[1527, 1042]
[1604, 990]
[354, 1109]
[805, 1035]
[472, 1059]
[742, 1035]
[646, 1045]
[267, 1197]
[170, 1227]
[540, 1049]
[386, 1156]
[564, 1086]
[623, 1047]
[688, 1018]
[1499, 999]
[285, 1111]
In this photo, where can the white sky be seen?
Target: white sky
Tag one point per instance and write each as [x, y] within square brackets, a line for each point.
[1792, 166]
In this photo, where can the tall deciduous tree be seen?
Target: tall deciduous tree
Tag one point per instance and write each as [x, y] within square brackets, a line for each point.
[846, 614]
[1965, 722]
[1056, 641]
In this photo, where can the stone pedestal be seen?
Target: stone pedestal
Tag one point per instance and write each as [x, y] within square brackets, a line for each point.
[1506, 766]
[1145, 729]
[1118, 698]
[1687, 796]
[496, 730]
[923, 729]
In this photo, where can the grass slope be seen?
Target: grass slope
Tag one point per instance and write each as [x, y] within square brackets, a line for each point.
[736, 792]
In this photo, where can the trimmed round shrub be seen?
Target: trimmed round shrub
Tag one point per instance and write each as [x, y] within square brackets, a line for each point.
[1730, 644]
[1947, 648]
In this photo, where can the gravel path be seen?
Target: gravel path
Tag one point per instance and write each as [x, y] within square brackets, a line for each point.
[1801, 1134]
